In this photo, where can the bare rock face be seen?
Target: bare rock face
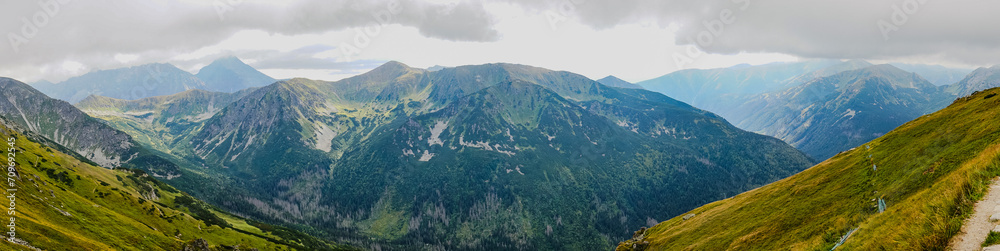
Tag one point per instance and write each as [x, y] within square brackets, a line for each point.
[64, 124]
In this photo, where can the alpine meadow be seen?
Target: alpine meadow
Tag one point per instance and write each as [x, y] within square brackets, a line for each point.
[500, 125]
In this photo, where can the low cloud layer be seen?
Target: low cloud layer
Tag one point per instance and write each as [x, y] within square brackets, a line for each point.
[48, 30]
[958, 31]
[93, 32]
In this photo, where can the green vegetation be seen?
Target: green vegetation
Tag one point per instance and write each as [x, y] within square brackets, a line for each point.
[930, 172]
[835, 113]
[59, 124]
[495, 156]
[992, 239]
[123, 209]
[200, 211]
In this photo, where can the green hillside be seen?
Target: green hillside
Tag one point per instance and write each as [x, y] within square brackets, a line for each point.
[163, 122]
[832, 114]
[230, 74]
[472, 157]
[63, 203]
[929, 172]
[516, 165]
[67, 126]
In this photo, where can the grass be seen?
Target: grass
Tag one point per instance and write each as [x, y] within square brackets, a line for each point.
[930, 172]
[992, 239]
[65, 204]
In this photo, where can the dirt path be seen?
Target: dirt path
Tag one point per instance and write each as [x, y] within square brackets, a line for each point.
[976, 228]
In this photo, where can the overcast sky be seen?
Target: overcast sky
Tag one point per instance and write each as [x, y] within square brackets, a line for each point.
[633, 39]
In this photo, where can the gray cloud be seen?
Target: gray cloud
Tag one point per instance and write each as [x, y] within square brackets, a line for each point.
[93, 31]
[957, 31]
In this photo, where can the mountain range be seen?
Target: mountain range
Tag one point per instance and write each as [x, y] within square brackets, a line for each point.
[907, 190]
[230, 74]
[468, 157]
[829, 106]
[227, 74]
[62, 202]
[613, 81]
[980, 79]
[504, 156]
[69, 127]
[838, 112]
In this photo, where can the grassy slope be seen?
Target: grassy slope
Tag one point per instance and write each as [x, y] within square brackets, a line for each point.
[930, 173]
[108, 209]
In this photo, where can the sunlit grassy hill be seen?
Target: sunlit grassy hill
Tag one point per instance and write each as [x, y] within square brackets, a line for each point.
[929, 172]
[63, 203]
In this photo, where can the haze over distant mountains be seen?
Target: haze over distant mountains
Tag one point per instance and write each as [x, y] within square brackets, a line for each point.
[67, 126]
[838, 112]
[484, 156]
[230, 75]
[480, 156]
[907, 190]
[617, 82]
[227, 74]
[817, 105]
[94, 208]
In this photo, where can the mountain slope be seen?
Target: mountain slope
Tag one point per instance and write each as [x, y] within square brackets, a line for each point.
[849, 65]
[738, 107]
[65, 204]
[298, 151]
[127, 83]
[68, 126]
[520, 159]
[980, 79]
[160, 122]
[701, 88]
[230, 74]
[617, 82]
[836, 113]
[936, 74]
[929, 172]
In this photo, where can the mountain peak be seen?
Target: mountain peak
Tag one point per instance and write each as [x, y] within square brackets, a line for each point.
[387, 71]
[884, 67]
[228, 59]
[436, 68]
[230, 74]
[613, 81]
[857, 62]
[979, 79]
[892, 74]
[884, 70]
[611, 78]
[392, 65]
[225, 62]
[154, 65]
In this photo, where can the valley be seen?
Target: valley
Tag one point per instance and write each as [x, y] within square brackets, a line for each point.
[929, 172]
[435, 125]
[542, 136]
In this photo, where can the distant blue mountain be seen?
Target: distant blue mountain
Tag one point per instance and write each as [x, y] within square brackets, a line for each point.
[617, 82]
[704, 87]
[230, 74]
[125, 83]
[936, 74]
